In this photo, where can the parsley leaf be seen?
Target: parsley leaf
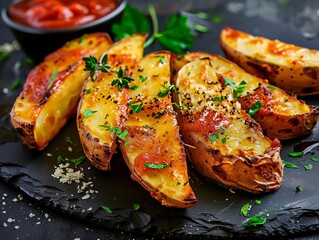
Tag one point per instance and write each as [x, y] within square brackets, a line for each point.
[254, 109]
[164, 93]
[106, 209]
[78, 161]
[136, 206]
[136, 107]
[295, 154]
[117, 131]
[88, 112]
[132, 21]
[176, 36]
[156, 166]
[245, 209]
[308, 167]
[289, 165]
[52, 78]
[254, 221]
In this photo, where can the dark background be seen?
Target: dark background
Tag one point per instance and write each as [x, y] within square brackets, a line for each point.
[24, 218]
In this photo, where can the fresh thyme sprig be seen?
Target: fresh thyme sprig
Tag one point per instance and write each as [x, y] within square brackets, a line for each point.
[122, 80]
[92, 65]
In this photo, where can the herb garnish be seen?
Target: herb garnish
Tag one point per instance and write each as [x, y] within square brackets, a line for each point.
[142, 78]
[107, 209]
[295, 154]
[289, 164]
[164, 93]
[134, 87]
[237, 91]
[254, 221]
[258, 201]
[136, 206]
[78, 161]
[121, 80]
[298, 189]
[215, 136]
[217, 99]
[176, 35]
[68, 140]
[254, 109]
[117, 131]
[177, 106]
[136, 107]
[92, 65]
[161, 59]
[314, 159]
[156, 166]
[60, 159]
[52, 78]
[308, 167]
[88, 113]
[271, 87]
[245, 209]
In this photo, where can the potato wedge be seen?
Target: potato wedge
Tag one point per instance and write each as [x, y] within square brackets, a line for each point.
[228, 145]
[153, 148]
[290, 67]
[280, 116]
[102, 109]
[52, 90]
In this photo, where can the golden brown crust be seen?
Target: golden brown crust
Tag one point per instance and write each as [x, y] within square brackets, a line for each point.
[108, 103]
[226, 145]
[296, 116]
[292, 68]
[57, 81]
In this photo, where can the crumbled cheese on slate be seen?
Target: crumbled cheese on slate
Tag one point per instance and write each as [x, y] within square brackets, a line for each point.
[66, 174]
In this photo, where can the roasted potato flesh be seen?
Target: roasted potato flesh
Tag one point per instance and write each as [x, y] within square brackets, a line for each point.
[280, 115]
[52, 90]
[103, 106]
[153, 148]
[228, 145]
[292, 68]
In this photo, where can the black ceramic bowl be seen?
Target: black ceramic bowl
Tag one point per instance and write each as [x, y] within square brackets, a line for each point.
[37, 43]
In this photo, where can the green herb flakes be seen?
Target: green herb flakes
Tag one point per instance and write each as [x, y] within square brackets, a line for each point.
[289, 164]
[314, 159]
[121, 80]
[254, 221]
[92, 65]
[106, 209]
[298, 189]
[258, 201]
[136, 206]
[156, 166]
[77, 161]
[88, 113]
[308, 167]
[52, 78]
[245, 209]
[254, 109]
[142, 78]
[295, 154]
[136, 107]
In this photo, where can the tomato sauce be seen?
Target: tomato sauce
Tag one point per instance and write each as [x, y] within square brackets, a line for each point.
[59, 13]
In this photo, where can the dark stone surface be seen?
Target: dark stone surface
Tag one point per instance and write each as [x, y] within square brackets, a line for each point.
[216, 215]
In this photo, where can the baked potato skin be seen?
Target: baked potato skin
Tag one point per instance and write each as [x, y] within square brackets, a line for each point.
[292, 68]
[57, 81]
[296, 117]
[106, 103]
[227, 145]
[153, 136]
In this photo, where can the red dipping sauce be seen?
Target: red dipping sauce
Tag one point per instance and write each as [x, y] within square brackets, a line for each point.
[59, 13]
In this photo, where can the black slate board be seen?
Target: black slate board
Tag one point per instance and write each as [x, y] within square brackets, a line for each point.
[217, 212]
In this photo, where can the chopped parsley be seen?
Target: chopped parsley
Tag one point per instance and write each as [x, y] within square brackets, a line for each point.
[134, 87]
[136, 107]
[177, 106]
[308, 167]
[298, 189]
[254, 109]
[88, 113]
[117, 131]
[295, 154]
[161, 59]
[78, 161]
[245, 209]
[289, 164]
[272, 87]
[156, 166]
[254, 221]
[52, 78]
[258, 201]
[142, 78]
[215, 136]
[314, 159]
[136, 206]
[106, 209]
[164, 93]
